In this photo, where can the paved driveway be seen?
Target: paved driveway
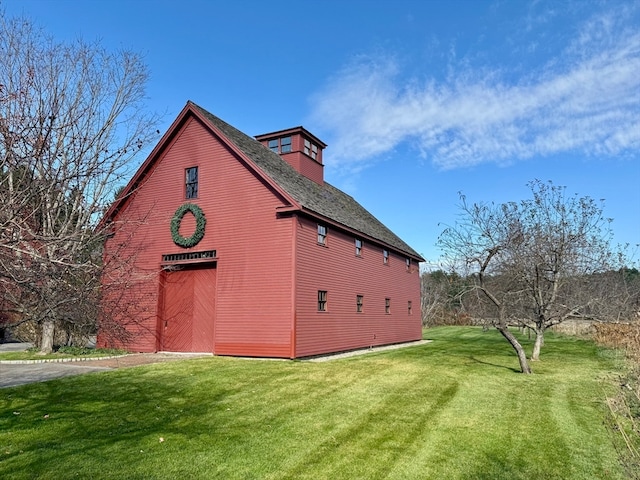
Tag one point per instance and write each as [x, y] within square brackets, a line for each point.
[12, 374]
[20, 374]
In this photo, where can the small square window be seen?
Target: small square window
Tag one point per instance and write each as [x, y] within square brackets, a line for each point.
[273, 145]
[409, 308]
[387, 306]
[322, 300]
[385, 257]
[359, 303]
[322, 235]
[191, 182]
[285, 144]
[358, 247]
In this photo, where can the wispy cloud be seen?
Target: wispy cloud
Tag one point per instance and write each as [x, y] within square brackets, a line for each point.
[585, 100]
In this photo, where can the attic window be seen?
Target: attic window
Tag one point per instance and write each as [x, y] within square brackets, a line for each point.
[385, 256]
[191, 182]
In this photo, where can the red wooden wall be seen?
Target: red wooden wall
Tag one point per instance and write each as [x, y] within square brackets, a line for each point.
[336, 269]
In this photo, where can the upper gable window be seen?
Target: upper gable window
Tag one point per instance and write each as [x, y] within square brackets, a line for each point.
[274, 145]
[322, 235]
[358, 247]
[191, 182]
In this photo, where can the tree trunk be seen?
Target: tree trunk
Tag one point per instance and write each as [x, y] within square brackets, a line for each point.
[522, 357]
[48, 329]
[535, 356]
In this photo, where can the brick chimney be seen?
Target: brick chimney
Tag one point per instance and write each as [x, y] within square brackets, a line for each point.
[300, 149]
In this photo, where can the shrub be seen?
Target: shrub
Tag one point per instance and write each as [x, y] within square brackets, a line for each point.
[78, 351]
[625, 406]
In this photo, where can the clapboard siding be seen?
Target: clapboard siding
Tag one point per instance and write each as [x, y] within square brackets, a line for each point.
[253, 300]
[336, 269]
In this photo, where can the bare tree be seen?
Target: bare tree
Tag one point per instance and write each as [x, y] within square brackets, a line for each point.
[441, 299]
[72, 118]
[533, 262]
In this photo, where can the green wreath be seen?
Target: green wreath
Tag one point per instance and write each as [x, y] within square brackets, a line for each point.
[177, 219]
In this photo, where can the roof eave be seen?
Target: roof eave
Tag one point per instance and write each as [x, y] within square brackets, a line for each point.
[245, 158]
[355, 232]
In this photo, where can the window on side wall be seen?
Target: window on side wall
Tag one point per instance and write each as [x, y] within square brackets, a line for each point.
[387, 306]
[191, 182]
[322, 235]
[322, 300]
[359, 303]
[409, 308]
[358, 247]
[385, 257]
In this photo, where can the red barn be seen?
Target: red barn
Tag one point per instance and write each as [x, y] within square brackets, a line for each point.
[237, 246]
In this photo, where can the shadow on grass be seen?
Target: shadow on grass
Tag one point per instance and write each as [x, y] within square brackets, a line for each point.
[482, 362]
[208, 410]
[99, 421]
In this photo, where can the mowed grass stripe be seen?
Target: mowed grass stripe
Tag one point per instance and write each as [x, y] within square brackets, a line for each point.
[454, 408]
[369, 437]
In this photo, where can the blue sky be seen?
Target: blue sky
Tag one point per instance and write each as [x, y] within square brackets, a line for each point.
[417, 100]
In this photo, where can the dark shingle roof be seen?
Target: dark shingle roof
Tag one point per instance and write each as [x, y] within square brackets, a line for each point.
[324, 200]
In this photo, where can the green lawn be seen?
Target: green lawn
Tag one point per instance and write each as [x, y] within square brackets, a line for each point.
[65, 353]
[454, 408]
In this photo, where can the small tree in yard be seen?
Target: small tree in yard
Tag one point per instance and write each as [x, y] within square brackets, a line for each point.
[72, 119]
[534, 263]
